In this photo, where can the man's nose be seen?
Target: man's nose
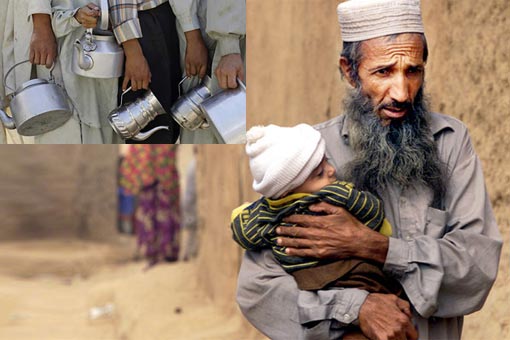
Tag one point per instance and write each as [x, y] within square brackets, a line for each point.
[399, 90]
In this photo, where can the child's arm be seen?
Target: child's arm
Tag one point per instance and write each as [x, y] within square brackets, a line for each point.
[246, 230]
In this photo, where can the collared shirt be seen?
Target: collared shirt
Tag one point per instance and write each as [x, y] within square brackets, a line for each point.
[446, 260]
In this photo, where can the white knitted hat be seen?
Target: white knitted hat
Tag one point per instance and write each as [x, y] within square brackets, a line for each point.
[366, 19]
[282, 158]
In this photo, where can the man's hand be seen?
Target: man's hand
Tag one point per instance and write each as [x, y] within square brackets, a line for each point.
[87, 15]
[386, 317]
[337, 235]
[137, 69]
[196, 54]
[228, 70]
[43, 45]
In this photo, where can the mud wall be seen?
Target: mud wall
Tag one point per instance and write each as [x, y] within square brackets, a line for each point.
[58, 191]
[293, 48]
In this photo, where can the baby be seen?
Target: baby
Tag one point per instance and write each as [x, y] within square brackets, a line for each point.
[291, 171]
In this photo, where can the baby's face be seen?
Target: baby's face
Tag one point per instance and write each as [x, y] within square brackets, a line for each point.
[321, 176]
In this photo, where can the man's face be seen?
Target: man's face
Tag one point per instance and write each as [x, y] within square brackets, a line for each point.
[391, 72]
[321, 176]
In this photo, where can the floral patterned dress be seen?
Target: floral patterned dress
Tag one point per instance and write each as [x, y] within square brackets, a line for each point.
[149, 172]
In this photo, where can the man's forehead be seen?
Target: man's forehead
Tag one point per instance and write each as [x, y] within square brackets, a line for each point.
[385, 48]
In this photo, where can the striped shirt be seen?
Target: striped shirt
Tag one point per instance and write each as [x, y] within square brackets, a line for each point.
[254, 228]
[124, 17]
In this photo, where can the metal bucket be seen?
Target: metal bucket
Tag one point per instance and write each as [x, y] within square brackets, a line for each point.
[226, 114]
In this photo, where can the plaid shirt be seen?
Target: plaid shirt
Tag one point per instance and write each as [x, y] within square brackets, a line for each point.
[124, 17]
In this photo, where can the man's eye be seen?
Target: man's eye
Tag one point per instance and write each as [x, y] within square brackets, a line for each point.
[413, 70]
[320, 173]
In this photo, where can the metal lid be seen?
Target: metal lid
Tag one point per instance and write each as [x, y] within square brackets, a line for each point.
[30, 83]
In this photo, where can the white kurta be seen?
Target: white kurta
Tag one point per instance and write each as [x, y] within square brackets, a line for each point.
[15, 49]
[223, 26]
[92, 99]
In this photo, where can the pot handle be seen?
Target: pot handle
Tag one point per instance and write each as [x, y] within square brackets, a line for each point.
[205, 80]
[241, 84]
[104, 19]
[8, 72]
[180, 84]
[122, 95]
[22, 62]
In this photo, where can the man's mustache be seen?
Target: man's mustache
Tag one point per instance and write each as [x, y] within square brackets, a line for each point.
[395, 106]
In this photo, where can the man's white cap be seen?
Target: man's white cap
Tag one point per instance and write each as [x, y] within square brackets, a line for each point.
[366, 19]
[282, 158]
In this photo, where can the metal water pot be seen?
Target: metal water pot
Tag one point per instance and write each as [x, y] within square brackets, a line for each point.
[226, 114]
[186, 111]
[97, 54]
[128, 120]
[37, 106]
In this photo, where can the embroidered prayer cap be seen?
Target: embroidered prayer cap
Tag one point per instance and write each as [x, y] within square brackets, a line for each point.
[366, 19]
[282, 158]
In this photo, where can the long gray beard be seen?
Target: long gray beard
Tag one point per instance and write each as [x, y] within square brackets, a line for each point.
[402, 153]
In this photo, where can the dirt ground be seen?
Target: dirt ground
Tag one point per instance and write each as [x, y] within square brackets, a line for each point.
[54, 293]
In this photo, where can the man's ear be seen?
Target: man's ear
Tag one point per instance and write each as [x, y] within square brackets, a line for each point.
[346, 68]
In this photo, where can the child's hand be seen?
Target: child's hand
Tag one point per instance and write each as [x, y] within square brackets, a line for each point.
[87, 15]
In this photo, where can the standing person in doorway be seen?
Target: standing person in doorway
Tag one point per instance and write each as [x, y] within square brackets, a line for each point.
[149, 172]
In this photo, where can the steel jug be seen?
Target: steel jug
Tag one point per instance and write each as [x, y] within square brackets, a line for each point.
[186, 111]
[97, 54]
[226, 114]
[128, 120]
[37, 106]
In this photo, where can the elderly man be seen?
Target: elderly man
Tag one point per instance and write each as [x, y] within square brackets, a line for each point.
[445, 246]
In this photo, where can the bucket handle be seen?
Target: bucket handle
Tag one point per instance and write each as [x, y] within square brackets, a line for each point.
[22, 62]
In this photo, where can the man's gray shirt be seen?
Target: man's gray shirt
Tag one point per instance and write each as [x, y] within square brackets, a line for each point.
[446, 260]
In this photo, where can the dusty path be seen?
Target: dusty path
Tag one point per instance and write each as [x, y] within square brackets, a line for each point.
[55, 302]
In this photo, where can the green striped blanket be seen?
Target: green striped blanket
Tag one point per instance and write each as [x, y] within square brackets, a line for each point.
[254, 226]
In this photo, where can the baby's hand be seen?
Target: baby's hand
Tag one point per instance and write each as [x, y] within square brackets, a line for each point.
[87, 15]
